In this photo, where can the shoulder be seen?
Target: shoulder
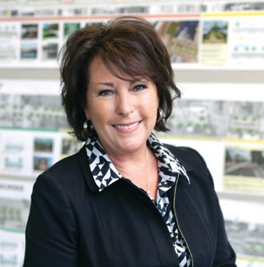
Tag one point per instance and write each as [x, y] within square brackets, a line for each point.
[64, 166]
[67, 173]
[66, 181]
[188, 156]
[67, 166]
[193, 163]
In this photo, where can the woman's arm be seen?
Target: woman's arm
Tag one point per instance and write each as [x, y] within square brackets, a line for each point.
[51, 229]
[224, 255]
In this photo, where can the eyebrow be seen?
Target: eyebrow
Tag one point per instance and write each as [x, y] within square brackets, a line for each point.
[131, 82]
[107, 84]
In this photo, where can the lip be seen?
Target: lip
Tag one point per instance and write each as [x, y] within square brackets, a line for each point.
[127, 127]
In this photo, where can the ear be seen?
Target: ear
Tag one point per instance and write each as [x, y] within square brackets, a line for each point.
[87, 113]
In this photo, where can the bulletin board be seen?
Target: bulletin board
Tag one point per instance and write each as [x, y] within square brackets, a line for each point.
[217, 52]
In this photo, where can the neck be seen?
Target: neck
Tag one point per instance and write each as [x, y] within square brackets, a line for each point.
[141, 170]
[124, 160]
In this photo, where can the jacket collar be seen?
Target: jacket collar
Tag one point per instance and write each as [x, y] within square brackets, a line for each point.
[86, 170]
[167, 161]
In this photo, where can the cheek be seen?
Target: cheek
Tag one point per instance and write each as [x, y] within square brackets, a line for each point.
[152, 99]
[151, 108]
[155, 99]
[155, 102]
[100, 113]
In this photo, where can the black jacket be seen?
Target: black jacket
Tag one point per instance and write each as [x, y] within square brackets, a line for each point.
[72, 224]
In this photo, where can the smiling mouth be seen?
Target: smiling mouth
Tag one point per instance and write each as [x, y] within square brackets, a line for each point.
[127, 127]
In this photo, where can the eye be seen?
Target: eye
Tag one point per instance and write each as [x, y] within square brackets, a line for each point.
[139, 87]
[105, 92]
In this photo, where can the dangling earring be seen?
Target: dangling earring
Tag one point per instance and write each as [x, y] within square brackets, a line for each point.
[85, 126]
[88, 126]
[160, 115]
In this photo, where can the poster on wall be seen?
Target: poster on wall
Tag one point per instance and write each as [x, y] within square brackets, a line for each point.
[181, 39]
[14, 210]
[214, 43]
[201, 118]
[198, 40]
[246, 42]
[217, 118]
[244, 222]
[9, 36]
[33, 104]
[30, 126]
[244, 167]
[69, 145]
[27, 153]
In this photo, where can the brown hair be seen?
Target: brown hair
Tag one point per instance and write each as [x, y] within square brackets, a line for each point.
[129, 43]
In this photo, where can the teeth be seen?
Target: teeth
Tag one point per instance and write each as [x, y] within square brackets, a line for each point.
[126, 127]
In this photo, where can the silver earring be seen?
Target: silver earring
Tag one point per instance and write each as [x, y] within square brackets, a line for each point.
[160, 115]
[85, 126]
[88, 126]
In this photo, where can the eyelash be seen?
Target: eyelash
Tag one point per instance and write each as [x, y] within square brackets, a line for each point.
[106, 92]
[142, 86]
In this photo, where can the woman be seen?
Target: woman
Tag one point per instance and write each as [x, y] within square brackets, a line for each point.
[124, 199]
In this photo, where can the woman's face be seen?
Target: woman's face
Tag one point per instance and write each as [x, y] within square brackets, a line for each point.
[122, 112]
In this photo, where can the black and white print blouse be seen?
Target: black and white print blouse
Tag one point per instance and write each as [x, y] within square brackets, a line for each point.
[105, 173]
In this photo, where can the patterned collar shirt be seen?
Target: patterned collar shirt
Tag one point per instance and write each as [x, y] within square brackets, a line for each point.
[105, 173]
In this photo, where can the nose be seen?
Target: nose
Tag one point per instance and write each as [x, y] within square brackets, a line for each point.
[124, 103]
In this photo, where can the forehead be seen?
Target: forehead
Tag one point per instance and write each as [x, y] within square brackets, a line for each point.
[98, 71]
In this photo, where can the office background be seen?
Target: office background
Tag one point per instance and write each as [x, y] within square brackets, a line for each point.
[217, 52]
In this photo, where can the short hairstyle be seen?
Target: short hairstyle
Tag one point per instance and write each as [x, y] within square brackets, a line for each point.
[129, 43]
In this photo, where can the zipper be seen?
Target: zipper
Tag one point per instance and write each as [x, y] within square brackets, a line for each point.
[176, 218]
[174, 210]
